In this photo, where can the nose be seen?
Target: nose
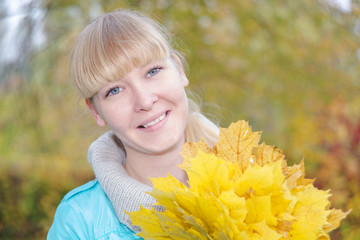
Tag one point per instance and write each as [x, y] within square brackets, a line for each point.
[144, 98]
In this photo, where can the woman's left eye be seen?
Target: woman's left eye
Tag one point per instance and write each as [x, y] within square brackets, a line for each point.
[153, 71]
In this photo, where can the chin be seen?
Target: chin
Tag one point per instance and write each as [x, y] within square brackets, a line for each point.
[167, 145]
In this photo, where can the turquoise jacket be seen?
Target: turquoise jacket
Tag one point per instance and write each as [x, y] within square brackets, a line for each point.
[86, 213]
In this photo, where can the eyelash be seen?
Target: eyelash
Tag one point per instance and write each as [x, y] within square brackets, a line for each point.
[153, 68]
[148, 72]
[109, 91]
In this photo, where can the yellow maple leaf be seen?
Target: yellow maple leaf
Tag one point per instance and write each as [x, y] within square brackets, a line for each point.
[213, 173]
[239, 189]
[235, 204]
[190, 150]
[262, 231]
[334, 219]
[236, 144]
[265, 154]
[259, 209]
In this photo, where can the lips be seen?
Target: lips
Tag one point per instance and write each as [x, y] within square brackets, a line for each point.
[150, 123]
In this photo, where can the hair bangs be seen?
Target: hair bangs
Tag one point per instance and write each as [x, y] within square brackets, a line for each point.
[112, 46]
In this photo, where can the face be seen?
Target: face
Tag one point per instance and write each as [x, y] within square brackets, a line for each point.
[147, 109]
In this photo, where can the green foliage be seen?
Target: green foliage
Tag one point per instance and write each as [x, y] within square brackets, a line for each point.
[289, 67]
[28, 203]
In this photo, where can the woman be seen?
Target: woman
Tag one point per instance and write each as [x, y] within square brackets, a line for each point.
[132, 80]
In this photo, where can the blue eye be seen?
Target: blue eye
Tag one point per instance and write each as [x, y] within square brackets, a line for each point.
[113, 91]
[153, 71]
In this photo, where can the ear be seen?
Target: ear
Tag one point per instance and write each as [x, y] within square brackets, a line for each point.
[99, 120]
[180, 68]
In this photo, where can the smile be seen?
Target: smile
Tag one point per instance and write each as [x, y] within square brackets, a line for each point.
[162, 117]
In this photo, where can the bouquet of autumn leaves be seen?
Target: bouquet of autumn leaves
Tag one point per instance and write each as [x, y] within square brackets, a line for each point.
[239, 189]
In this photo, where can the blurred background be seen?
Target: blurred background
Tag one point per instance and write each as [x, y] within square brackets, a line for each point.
[290, 68]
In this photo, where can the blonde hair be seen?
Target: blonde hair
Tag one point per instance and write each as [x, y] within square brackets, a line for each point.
[117, 42]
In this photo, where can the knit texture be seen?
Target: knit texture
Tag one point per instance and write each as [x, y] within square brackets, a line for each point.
[107, 156]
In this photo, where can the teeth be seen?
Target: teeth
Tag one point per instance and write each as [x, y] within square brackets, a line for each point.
[155, 121]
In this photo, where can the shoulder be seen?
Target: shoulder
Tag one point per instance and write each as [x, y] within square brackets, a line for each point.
[86, 213]
[83, 192]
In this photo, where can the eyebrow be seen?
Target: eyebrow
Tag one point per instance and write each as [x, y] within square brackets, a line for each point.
[163, 61]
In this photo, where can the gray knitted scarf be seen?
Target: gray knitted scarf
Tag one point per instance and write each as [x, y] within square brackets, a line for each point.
[106, 156]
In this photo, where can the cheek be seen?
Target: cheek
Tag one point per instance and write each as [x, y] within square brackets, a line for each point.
[175, 89]
[177, 96]
[181, 101]
[116, 116]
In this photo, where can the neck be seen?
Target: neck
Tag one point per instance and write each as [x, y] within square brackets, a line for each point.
[144, 166]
